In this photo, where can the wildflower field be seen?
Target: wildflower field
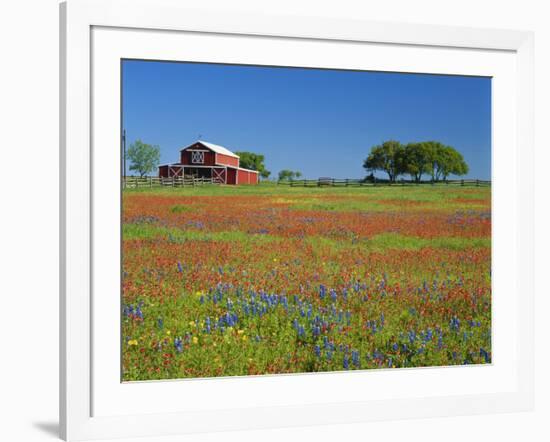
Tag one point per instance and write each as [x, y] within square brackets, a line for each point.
[250, 280]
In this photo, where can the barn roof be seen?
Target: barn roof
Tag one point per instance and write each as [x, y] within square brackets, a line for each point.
[215, 147]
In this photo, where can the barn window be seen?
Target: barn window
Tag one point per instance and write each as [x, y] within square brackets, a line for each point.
[197, 157]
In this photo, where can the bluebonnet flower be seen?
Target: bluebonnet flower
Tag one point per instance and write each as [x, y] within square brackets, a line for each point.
[180, 267]
[127, 310]
[139, 313]
[455, 323]
[333, 295]
[485, 354]
[395, 347]
[355, 358]
[178, 344]
[160, 323]
[316, 331]
[346, 362]
[322, 291]
[317, 350]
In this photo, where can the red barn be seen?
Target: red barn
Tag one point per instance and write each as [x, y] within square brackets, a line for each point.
[207, 160]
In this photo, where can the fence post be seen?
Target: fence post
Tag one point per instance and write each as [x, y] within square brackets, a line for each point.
[462, 182]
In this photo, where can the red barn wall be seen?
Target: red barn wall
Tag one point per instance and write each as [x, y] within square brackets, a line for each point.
[163, 171]
[245, 177]
[231, 176]
[226, 160]
[209, 157]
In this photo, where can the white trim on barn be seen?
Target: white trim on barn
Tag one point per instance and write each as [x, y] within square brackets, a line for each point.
[246, 170]
[213, 147]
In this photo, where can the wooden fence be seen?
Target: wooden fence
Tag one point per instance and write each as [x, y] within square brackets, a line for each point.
[188, 181]
[348, 182]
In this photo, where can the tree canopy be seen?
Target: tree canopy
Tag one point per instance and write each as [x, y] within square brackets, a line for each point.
[144, 158]
[387, 157]
[253, 161]
[416, 159]
[289, 175]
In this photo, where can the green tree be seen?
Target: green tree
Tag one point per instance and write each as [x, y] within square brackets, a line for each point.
[388, 157]
[452, 163]
[253, 161]
[144, 157]
[444, 160]
[417, 160]
[289, 175]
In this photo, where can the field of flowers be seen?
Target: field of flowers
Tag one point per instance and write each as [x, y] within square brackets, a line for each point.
[224, 281]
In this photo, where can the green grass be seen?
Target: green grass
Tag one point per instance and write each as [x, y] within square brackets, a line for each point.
[378, 243]
[133, 231]
[377, 199]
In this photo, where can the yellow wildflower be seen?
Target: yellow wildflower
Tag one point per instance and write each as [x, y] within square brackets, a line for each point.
[240, 332]
[195, 340]
[133, 342]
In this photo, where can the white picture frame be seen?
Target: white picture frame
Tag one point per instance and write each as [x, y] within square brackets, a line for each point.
[80, 378]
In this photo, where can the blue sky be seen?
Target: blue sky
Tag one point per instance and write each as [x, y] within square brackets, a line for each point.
[320, 122]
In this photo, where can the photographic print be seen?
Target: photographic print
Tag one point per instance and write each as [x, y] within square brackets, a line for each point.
[284, 220]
